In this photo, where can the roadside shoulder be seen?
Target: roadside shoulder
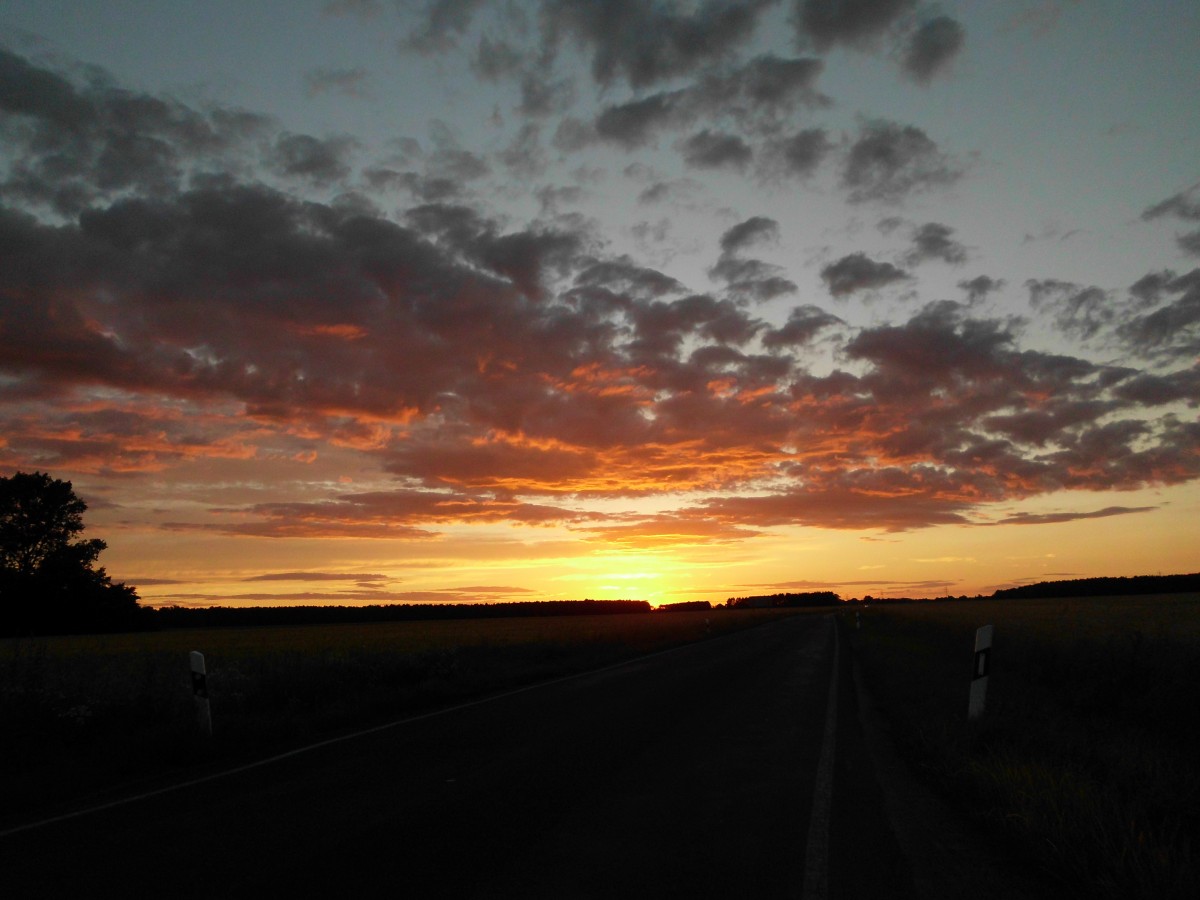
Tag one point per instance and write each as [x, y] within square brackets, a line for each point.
[949, 855]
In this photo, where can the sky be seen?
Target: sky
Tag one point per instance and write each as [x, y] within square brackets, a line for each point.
[367, 301]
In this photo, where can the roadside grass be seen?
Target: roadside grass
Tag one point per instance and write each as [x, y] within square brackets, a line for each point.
[86, 714]
[1086, 757]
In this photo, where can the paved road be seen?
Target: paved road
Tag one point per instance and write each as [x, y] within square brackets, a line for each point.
[708, 771]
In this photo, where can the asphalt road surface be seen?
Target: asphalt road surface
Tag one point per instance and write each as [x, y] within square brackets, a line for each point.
[734, 767]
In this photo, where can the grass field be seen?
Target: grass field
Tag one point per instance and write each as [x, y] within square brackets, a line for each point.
[85, 713]
[1086, 757]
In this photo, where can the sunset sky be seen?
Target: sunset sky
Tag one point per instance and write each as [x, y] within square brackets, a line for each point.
[382, 302]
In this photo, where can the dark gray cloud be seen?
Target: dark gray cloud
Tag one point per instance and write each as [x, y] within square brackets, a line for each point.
[662, 326]
[938, 344]
[750, 279]
[755, 95]
[752, 231]
[1184, 206]
[889, 161]
[889, 224]
[552, 199]
[542, 92]
[679, 190]
[1171, 330]
[715, 150]
[460, 165]
[854, 22]
[639, 43]
[542, 96]
[347, 82]
[496, 58]
[71, 145]
[803, 325]
[526, 259]
[933, 241]
[742, 271]
[652, 232]
[645, 43]
[1150, 287]
[637, 122]
[441, 23]
[524, 156]
[1080, 311]
[320, 162]
[28, 90]
[797, 155]
[932, 47]
[427, 189]
[979, 287]
[1049, 422]
[923, 50]
[572, 134]
[765, 286]
[766, 82]
[1150, 389]
[624, 275]
[857, 272]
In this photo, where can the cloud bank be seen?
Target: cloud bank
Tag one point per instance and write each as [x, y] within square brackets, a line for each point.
[181, 284]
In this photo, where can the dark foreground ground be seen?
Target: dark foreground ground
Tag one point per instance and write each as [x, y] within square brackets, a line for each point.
[690, 773]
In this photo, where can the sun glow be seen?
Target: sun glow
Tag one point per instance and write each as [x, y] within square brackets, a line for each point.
[625, 576]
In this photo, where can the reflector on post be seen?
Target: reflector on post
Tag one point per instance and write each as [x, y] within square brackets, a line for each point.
[979, 675]
[200, 692]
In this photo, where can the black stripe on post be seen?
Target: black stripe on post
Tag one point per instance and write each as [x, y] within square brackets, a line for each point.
[982, 659]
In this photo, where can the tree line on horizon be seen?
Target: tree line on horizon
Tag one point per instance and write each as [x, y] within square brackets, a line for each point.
[216, 616]
[784, 600]
[1135, 585]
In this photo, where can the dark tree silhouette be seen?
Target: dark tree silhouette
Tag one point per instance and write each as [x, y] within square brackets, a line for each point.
[49, 581]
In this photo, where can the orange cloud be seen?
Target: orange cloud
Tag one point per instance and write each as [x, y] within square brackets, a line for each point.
[343, 332]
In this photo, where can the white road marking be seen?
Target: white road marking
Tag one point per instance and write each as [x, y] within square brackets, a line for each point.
[816, 856]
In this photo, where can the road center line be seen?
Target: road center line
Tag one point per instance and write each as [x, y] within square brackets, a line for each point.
[816, 856]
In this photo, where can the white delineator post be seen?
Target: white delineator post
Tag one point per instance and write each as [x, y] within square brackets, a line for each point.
[200, 692]
[979, 675]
